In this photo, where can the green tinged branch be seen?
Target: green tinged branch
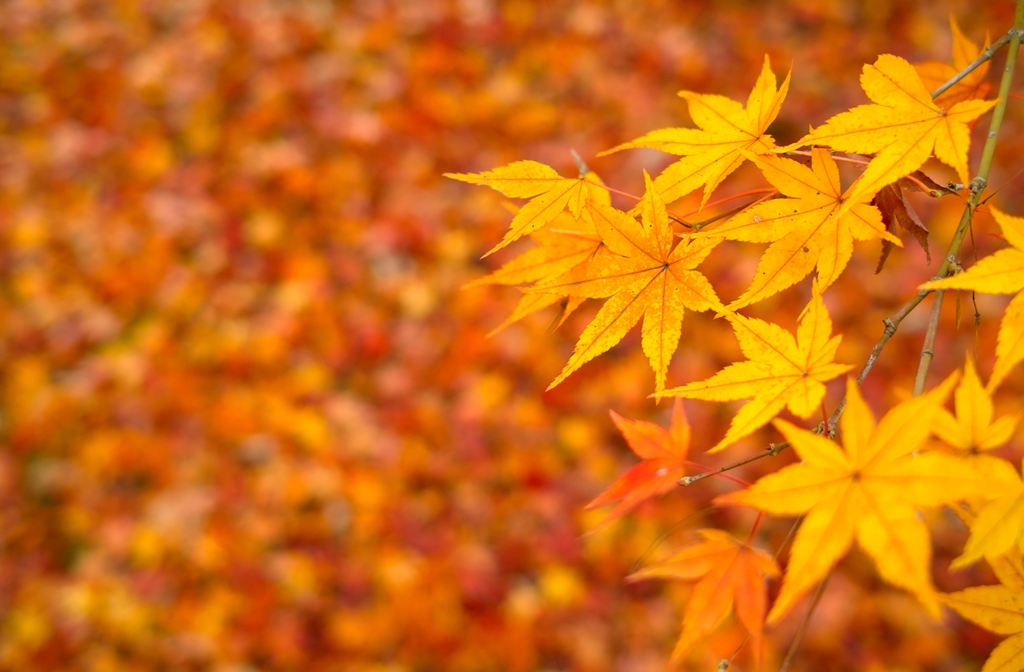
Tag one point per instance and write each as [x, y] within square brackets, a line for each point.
[978, 184]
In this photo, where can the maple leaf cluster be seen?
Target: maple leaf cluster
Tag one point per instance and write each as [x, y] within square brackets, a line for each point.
[872, 484]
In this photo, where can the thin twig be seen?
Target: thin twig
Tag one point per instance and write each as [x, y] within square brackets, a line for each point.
[928, 347]
[977, 185]
[773, 449]
[798, 638]
[987, 54]
[697, 226]
[726, 199]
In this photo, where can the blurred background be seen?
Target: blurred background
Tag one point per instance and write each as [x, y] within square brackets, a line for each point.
[249, 421]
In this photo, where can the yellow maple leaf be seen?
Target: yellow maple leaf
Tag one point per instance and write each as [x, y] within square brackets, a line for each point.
[813, 228]
[564, 244]
[728, 572]
[871, 491]
[999, 526]
[971, 87]
[1000, 609]
[972, 433]
[999, 273]
[973, 430]
[646, 277]
[550, 194]
[714, 149]
[901, 128]
[782, 370]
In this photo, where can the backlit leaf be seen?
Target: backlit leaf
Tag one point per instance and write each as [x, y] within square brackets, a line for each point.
[663, 453]
[729, 574]
[713, 150]
[647, 277]
[782, 371]
[999, 273]
[549, 194]
[902, 127]
[813, 228]
[1000, 609]
[870, 490]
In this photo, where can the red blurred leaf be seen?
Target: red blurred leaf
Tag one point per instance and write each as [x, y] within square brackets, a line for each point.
[664, 453]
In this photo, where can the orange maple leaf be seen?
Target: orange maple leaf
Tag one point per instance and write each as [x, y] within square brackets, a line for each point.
[664, 462]
[550, 194]
[649, 276]
[728, 573]
[999, 273]
[1000, 609]
[902, 128]
[971, 87]
[782, 371]
[871, 491]
[813, 228]
[713, 150]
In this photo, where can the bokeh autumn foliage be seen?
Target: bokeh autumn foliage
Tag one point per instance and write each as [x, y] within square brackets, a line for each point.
[249, 420]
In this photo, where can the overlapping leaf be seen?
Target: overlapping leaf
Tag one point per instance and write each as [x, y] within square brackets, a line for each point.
[973, 429]
[898, 213]
[782, 371]
[999, 273]
[972, 433]
[648, 276]
[564, 244]
[713, 150]
[729, 574]
[1000, 609]
[999, 527]
[550, 194]
[902, 127]
[971, 87]
[814, 227]
[663, 453]
[871, 491]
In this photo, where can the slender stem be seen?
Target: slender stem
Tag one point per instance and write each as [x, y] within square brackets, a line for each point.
[720, 201]
[1004, 95]
[799, 637]
[754, 527]
[773, 449]
[928, 348]
[987, 54]
[697, 226]
[708, 471]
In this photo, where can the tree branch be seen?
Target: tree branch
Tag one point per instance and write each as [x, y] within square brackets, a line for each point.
[928, 347]
[987, 54]
[773, 449]
[802, 628]
[977, 186]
